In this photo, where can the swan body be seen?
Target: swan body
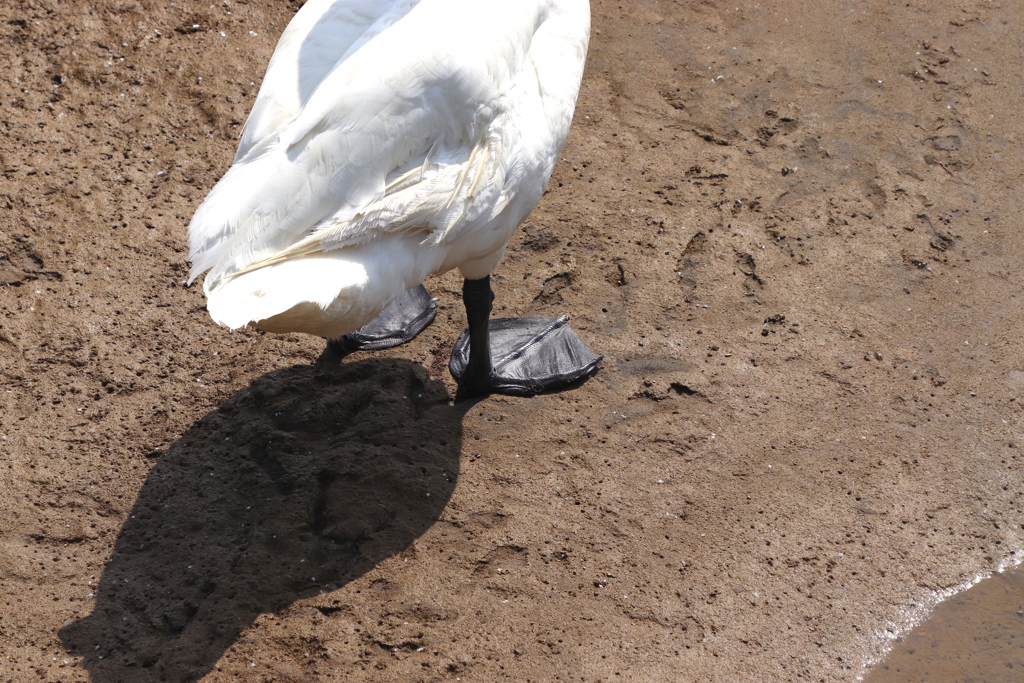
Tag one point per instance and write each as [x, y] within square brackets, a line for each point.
[390, 140]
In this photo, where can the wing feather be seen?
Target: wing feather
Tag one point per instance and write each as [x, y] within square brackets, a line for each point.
[385, 141]
[410, 204]
[320, 35]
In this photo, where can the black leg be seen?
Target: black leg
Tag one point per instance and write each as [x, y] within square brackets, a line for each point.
[478, 297]
[516, 356]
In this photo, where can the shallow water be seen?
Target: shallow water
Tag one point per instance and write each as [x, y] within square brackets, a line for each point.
[975, 636]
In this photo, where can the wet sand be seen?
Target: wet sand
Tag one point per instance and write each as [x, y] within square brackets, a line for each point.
[977, 635]
[792, 230]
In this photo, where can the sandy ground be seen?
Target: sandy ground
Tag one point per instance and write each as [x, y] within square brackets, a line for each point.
[792, 228]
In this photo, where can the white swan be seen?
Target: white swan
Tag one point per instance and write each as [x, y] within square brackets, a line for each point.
[390, 140]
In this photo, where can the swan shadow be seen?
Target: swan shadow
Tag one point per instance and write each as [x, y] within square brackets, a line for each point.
[296, 485]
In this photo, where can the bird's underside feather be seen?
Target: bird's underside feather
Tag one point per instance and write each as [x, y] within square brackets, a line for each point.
[399, 134]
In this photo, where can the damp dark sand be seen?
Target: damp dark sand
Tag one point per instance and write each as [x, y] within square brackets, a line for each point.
[977, 635]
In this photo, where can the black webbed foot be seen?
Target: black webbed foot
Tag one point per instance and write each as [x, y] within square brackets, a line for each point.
[528, 356]
[406, 317]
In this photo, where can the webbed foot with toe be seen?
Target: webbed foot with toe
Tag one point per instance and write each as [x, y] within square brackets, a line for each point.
[517, 356]
[528, 356]
[406, 317]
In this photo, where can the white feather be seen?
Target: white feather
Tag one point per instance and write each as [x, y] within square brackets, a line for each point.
[389, 141]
